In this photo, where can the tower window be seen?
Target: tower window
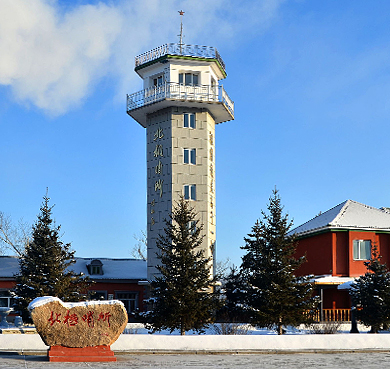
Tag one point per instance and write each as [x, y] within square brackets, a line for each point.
[192, 226]
[190, 192]
[190, 156]
[158, 81]
[361, 249]
[189, 79]
[189, 120]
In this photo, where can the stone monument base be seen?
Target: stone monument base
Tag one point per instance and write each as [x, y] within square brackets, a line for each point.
[84, 354]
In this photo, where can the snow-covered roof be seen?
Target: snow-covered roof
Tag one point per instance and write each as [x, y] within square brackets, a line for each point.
[330, 280]
[346, 285]
[8, 266]
[119, 269]
[347, 215]
[114, 268]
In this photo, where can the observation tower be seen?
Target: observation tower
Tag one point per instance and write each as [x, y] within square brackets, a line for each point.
[180, 104]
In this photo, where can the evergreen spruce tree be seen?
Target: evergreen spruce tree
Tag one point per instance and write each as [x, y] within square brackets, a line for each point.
[370, 294]
[272, 295]
[232, 287]
[181, 294]
[45, 266]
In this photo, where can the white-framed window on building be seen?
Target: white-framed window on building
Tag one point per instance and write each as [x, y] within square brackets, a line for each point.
[129, 299]
[192, 226]
[95, 267]
[189, 120]
[189, 79]
[361, 249]
[6, 299]
[97, 295]
[190, 156]
[158, 81]
[190, 192]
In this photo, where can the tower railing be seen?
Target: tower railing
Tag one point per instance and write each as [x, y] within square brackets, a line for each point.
[208, 52]
[178, 91]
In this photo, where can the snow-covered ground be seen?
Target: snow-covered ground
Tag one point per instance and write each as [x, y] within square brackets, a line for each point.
[135, 340]
[253, 340]
[243, 329]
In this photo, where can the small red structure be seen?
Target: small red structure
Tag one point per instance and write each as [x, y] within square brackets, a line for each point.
[336, 244]
[85, 354]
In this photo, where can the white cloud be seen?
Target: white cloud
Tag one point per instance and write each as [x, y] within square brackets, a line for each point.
[52, 59]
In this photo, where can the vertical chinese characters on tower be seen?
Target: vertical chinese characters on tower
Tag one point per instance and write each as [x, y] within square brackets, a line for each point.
[158, 153]
[212, 183]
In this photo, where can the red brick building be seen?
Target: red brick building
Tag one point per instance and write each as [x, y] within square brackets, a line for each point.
[337, 243]
[119, 279]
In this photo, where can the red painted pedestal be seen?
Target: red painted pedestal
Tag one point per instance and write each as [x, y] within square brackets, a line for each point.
[75, 354]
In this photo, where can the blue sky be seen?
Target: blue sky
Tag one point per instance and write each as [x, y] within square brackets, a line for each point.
[310, 82]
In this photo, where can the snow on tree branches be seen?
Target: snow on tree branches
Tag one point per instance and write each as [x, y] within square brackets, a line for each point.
[45, 266]
[370, 294]
[270, 293]
[182, 295]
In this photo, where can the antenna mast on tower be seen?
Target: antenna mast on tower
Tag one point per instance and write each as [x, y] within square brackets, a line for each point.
[181, 32]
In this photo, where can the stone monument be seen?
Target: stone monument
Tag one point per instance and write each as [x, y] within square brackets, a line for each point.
[78, 331]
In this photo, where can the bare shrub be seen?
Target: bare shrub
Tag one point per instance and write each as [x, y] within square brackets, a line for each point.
[130, 331]
[324, 327]
[231, 328]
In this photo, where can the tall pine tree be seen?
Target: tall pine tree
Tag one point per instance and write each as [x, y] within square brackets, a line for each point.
[181, 294]
[271, 294]
[45, 266]
[232, 287]
[370, 293]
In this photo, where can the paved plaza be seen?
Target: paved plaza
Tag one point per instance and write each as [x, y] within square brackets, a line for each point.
[307, 360]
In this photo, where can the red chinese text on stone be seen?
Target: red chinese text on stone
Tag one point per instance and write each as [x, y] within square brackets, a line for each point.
[105, 317]
[71, 319]
[89, 318]
[53, 319]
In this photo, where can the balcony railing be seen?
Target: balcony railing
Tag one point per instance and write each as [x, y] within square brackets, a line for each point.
[208, 52]
[333, 315]
[176, 91]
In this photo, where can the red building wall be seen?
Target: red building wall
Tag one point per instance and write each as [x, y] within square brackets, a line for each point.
[7, 284]
[318, 250]
[384, 247]
[340, 254]
[112, 288]
[357, 267]
[336, 299]
[332, 252]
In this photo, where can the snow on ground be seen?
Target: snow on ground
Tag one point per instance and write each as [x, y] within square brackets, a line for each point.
[243, 329]
[136, 340]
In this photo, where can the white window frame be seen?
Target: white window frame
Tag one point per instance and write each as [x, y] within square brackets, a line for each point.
[96, 269]
[6, 296]
[158, 80]
[192, 226]
[361, 249]
[129, 299]
[189, 156]
[189, 120]
[190, 192]
[189, 78]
